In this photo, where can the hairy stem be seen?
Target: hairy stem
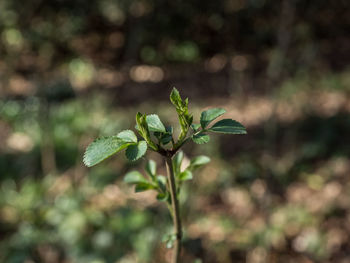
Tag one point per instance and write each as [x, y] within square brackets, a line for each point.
[175, 211]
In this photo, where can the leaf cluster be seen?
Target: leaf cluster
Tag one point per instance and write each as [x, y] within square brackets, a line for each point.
[104, 147]
[181, 106]
[156, 136]
[159, 183]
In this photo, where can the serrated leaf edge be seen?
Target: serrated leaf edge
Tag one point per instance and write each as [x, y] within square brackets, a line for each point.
[135, 159]
[96, 140]
[198, 142]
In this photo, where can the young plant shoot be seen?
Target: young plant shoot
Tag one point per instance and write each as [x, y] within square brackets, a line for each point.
[156, 137]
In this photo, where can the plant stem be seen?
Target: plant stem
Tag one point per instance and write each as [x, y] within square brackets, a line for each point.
[176, 210]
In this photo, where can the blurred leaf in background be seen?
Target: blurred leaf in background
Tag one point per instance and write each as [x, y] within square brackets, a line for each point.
[72, 71]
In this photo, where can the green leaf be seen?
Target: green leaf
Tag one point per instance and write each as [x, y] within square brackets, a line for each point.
[185, 119]
[170, 243]
[165, 138]
[195, 127]
[177, 160]
[144, 186]
[175, 98]
[209, 115]
[142, 128]
[102, 148]
[127, 136]
[134, 177]
[184, 124]
[141, 125]
[163, 197]
[136, 151]
[185, 175]
[154, 123]
[169, 240]
[198, 162]
[228, 126]
[161, 182]
[168, 136]
[169, 129]
[151, 168]
[200, 138]
[141, 182]
[139, 116]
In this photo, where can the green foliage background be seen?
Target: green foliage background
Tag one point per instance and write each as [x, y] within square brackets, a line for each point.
[71, 71]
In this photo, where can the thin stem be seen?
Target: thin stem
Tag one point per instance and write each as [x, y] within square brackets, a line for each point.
[179, 144]
[172, 141]
[175, 209]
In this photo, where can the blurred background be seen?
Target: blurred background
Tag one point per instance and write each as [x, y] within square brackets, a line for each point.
[71, 71]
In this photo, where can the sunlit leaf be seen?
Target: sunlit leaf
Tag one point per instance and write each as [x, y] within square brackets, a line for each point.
[177, 160]
[142, 128]
[210, 115]
[185, 175]
[195, 127]
[228, 126]
[151, 167]
[175, 98]
[161, 180]
[201, 138]
[134, 177]
[198, 162]
[102, 148]
[185, 119]
[154, 123]
[127, 136]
